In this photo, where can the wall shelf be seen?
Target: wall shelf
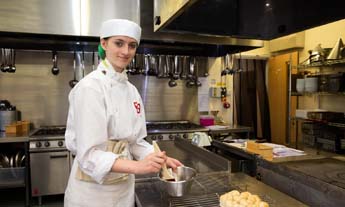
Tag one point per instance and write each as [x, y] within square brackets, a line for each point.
[320, 93]
[339, 62]
[339, 125]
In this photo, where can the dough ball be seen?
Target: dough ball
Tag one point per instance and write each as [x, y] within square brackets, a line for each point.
[257, 198]
[236, 198]
[244, 202]
[223, 200]
[235, 193]
[228, 203]
[251, 199]
[245, 195]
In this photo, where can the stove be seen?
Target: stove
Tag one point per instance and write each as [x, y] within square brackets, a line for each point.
[48, 138]
[169, 130]
[50, 161]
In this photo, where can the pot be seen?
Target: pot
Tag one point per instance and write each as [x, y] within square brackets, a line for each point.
[185, 176]
[7, 118]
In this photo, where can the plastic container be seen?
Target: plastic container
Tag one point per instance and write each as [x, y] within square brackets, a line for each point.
[206, 120]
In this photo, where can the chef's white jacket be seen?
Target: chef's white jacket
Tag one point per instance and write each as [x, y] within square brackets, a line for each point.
[103, 105]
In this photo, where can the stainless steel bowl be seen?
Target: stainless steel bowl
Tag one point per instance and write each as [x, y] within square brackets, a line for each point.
[183, 184]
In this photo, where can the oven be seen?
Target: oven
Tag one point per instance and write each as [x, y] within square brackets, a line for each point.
[49, 161]
[170, 130]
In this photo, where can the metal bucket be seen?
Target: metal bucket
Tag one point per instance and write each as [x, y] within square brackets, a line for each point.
[185, 176]
[7, 118]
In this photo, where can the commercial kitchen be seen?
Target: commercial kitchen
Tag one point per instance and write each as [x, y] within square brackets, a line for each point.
[248, 94]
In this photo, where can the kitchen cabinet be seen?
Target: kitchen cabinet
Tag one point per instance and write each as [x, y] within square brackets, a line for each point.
[325, 129]
[16, 175]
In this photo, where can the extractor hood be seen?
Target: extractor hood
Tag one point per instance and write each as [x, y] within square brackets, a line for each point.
[74, 25]
[176, 42]
[253, 19]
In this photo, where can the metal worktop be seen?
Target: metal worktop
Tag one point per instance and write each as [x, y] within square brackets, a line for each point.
[213, 179]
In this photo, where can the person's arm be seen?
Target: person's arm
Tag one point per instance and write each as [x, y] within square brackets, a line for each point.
[150, 164]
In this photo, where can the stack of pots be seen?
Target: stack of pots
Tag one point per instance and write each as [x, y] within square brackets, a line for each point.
[8, 114]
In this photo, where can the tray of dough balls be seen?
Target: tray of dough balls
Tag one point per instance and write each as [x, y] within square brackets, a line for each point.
[236, 198]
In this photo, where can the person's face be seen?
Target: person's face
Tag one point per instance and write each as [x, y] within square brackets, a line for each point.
[119, 50]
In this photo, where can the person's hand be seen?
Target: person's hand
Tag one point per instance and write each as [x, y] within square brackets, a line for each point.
[173, 163]
[152, 163]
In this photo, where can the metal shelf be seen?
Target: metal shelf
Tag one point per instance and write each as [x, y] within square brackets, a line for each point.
[13, 139]
[321, 93]
[12, 177]
[323, 63]
[339, 125]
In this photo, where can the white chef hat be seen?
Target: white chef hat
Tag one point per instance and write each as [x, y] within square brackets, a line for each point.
[121, 27]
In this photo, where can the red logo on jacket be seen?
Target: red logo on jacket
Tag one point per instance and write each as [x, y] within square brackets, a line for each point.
[137, 106]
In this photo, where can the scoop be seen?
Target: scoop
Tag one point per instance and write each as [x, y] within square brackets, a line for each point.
[166, 174]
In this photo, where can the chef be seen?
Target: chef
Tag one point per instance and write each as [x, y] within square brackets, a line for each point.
[106, 126]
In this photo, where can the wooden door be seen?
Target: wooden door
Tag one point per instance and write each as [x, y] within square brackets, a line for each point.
[278, 87]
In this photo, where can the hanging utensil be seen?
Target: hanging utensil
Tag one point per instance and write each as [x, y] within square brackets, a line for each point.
[13, 60]
[74, 82]
[223, 92]
[5, 67]
[185, 67]
[55, 69]
[190, 76]
[2, 66]
[93, 60]
[83, 64]
[162, 67]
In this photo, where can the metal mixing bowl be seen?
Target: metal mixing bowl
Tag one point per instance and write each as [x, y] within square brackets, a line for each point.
[183, 184]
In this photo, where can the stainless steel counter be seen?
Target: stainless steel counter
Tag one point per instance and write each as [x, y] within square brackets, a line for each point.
[206, 190]
[214, 178]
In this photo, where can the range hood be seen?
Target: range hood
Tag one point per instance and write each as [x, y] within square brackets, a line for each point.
[74, 25]
[176, 42]
[253, 19]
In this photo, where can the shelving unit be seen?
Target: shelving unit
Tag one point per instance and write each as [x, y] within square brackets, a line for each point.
[322, 68]
[15, 177]
[326, 63]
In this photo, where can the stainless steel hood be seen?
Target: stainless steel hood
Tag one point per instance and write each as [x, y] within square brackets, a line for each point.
[189, 43]
[43, 24]
[258, 19]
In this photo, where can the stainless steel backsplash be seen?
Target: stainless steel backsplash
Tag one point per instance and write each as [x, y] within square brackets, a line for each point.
[42, 98]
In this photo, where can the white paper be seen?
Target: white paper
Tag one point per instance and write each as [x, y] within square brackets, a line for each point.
[203, 103]
[203, 96]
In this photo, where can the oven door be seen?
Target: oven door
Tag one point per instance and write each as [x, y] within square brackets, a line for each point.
[49, 172]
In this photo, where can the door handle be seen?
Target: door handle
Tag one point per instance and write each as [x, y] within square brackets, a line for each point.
[57, 156]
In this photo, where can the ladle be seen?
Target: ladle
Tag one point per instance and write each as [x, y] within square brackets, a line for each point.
[74, 82]
[13, 68]
[55, 69]
[166, 174]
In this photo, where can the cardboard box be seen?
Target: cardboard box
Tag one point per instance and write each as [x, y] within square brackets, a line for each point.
[261, 149]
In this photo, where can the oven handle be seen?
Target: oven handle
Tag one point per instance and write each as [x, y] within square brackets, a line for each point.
[57, 156]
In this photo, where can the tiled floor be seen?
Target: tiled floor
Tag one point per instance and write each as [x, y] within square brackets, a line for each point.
[16, 198]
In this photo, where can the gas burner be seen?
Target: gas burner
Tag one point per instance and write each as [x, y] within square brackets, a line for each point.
[173, 126]
[49, 131]
[169, 130]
